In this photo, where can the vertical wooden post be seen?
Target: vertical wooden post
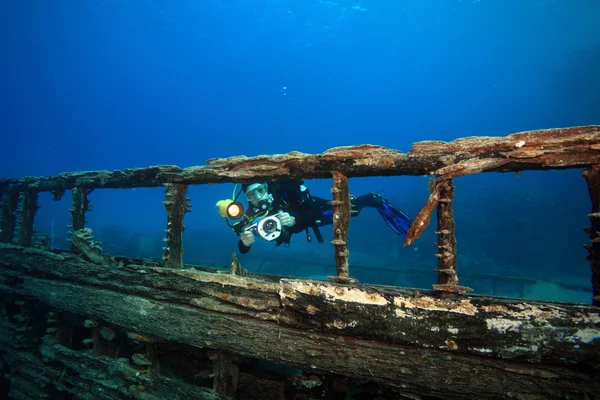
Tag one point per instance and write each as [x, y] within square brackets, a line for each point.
[592, 176]
[29, 206]
[81, 205]
[446, 243]
[341, 223]
[176, 206]
[226, 371]
[10, 202]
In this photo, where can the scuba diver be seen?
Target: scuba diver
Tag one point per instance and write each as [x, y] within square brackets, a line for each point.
[277, 210]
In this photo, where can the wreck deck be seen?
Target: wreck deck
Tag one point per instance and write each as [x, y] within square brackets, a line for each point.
[82, 323]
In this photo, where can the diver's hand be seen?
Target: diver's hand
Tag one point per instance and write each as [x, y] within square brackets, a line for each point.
[247, 238]
[286, 219]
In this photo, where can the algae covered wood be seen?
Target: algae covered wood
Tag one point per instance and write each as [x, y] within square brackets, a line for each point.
[401, 338]
[532, 150]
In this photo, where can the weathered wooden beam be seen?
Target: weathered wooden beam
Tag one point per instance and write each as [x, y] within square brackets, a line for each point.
[176, 207]
[8, 223]
[392, 336]
[544, 149]
[29, 207]
[433, 372]
[592, 177]
[341, 223]
[304, 307]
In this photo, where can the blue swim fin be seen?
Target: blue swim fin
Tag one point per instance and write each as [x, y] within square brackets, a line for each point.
[395, 218]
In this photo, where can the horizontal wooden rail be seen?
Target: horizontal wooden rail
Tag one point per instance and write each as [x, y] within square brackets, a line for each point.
[575, 147]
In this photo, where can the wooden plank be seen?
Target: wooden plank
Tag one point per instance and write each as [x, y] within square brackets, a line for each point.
[533, 150]
[401, 338]
[427, 371]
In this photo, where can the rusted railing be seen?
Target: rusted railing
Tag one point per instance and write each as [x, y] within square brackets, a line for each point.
[577, 147]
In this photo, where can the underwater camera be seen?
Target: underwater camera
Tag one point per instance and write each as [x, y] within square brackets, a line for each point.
[268, 228]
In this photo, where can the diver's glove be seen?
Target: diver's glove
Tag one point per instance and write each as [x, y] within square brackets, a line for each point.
[286, 219]
[247, 238]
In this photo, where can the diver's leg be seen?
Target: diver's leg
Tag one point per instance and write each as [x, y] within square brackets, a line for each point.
[366, 200]
[396, 219]
[324, 205]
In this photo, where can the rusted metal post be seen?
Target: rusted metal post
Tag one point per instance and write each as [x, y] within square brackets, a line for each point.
[81, 205]
[10, 202]
[341, 223]
[176, 206]
[29, 206]
[592, 176]
[446, 243]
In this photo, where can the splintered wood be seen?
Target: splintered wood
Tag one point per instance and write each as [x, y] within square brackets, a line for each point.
[421, 221]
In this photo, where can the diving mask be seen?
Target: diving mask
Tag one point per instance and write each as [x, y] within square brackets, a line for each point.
[258, 195]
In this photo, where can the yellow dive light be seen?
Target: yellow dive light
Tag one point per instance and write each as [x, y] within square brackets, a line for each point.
[230, 208]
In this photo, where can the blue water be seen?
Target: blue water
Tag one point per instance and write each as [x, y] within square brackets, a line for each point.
[88, 85]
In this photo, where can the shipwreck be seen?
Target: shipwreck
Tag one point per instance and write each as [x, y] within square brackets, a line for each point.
[80, 323]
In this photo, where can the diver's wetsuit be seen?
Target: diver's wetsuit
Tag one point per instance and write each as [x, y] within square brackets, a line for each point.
[309, 211]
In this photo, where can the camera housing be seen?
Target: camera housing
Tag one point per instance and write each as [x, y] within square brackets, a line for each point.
[269, 228]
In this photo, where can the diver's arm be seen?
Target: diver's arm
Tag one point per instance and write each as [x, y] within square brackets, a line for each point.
[246, 240]
[243, 248]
